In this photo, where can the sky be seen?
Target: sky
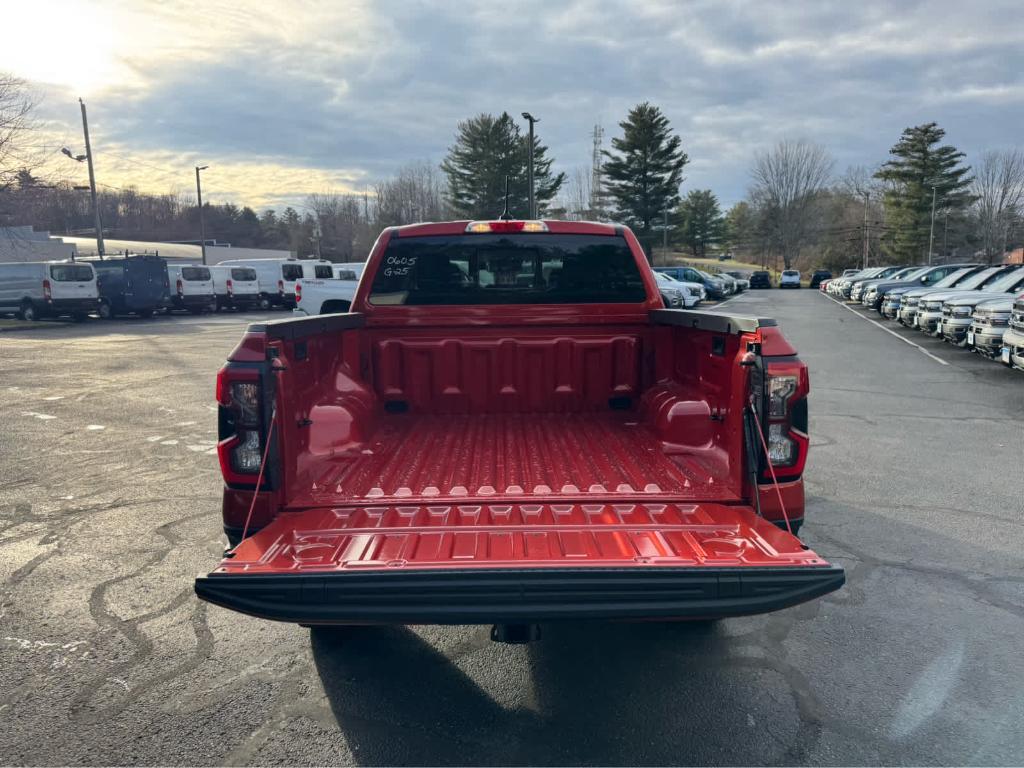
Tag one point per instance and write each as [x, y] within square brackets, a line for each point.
[284, 98]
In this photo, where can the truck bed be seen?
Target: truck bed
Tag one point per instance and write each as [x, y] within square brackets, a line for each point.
[516, 457]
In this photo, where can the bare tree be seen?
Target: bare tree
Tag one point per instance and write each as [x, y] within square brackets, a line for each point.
[415, 193]
[999, 190]
[575, 197]
[787, 180]
[18, 187]
[16, 105]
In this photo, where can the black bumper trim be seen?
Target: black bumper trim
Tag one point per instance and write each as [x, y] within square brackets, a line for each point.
[526, 595]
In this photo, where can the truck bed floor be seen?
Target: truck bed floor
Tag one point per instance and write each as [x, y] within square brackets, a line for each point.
[514, 456]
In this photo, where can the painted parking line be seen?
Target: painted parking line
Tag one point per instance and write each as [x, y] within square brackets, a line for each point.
[887, 330]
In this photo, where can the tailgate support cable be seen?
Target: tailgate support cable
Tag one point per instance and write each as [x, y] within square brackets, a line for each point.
[259, 477]
[771, 469]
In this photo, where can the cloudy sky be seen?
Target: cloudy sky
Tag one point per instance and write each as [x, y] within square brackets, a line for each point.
[286, 97]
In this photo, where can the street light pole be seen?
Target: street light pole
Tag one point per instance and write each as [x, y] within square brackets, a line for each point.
[867, 238]
[92, 184]
[202, 220]
[931, 236]
[664, 230]
[529, 160]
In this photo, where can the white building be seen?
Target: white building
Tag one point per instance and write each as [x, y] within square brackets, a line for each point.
[176, 251]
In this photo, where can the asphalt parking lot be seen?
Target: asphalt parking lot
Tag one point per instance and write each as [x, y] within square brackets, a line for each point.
[109, 506]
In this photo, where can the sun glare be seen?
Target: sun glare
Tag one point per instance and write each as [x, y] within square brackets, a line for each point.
[65, 43]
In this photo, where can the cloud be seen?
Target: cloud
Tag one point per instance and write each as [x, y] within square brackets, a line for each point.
[302, 96]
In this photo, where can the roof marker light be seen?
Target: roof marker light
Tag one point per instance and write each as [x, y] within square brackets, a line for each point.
[506, 226]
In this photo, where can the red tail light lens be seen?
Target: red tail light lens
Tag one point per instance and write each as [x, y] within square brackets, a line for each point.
[241, 432]
[280, 287]
[180, 287]
[231, 288]
[46, 291]
[788, 385]
[298, 292]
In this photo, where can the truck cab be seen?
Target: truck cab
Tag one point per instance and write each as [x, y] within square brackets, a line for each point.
[508, 427]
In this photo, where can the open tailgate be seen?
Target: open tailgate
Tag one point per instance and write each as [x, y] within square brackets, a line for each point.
[469, 564]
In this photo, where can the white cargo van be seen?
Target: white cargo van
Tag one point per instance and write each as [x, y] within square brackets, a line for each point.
[35, 289]
[235, 287]
[191, 288]
[277, 277]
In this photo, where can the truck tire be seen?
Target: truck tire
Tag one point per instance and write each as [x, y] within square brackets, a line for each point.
[28, 311]
[105, 311]
[264, 303]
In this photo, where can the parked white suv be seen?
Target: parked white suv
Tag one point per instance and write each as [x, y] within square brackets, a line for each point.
[790, 279]
[679, 293]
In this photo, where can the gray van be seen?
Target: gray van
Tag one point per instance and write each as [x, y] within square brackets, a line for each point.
[35, 289]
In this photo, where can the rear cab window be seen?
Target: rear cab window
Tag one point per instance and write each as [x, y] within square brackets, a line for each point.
[291, 271]
[323, 271]
[534, 268]
[197, 274]
[71, 273]
[243, 273]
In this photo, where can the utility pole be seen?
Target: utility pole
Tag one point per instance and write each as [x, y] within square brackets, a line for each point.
[596, 206]
[664, 230]
[945, 232]
[532, 120]
[867, 236]
[931, 236]
[202, 220]
[92, 184]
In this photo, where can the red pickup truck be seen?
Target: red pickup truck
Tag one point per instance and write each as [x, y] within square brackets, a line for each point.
[510, 428]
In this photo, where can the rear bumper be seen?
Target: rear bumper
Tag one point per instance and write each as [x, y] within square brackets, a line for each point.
[192, 301]
[511, 596]
[59, 306]
[239, 299]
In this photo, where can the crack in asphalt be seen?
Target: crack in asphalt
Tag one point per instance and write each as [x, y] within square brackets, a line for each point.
[142, 645]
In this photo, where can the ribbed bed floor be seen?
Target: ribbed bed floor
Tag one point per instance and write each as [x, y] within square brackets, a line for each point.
[594, 455]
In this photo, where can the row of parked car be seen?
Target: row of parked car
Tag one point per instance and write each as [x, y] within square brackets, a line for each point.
[976, 306]
[144, 284]
[698, 285]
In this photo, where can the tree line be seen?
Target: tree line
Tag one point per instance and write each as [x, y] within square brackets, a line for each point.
[797, 210]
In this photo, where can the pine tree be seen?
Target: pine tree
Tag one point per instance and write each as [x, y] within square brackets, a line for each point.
[917, 166]
[486, 150]
[700, 221]
[644, 169]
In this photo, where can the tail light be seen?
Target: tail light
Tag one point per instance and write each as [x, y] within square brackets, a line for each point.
[47, 294]
[181, 287]
[788, 385]
[240, 425]
[280, 287]
[298, 292]
[231, 288]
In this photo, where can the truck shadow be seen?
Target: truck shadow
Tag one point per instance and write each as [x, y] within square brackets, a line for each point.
[585, 694]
